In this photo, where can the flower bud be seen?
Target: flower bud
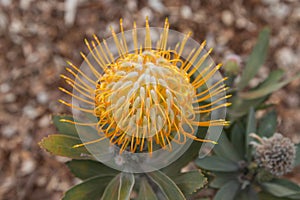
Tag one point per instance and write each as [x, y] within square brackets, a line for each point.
[275, 154]
[232, 64]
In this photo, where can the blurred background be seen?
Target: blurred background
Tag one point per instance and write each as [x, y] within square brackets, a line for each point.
[37, 36]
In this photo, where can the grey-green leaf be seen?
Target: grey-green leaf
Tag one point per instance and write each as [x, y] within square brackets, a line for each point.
[238, 138]
[90, 189]
[146, 192]
[294, 196]
[221, 178]
[256, 58]
[240, 107]
[166, 185]
[85, 169]
[120, 187]
[281, 188]
[225, 149]
[248, 193]
[216, 163]
[174, 168]
[272, 78]
[266, 196]
[62, 145]
[251, 128]
[268, 124]
[190, 182]
[268, 89]
[64, 127]
[228, 191]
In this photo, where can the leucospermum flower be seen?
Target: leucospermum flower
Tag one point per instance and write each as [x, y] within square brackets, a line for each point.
[145, 92]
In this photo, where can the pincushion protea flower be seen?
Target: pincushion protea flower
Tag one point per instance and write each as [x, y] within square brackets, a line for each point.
[147, 97]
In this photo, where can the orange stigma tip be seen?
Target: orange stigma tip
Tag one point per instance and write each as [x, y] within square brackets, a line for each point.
[112, 29]
[77, 145]
[166, 21]
[62, 101]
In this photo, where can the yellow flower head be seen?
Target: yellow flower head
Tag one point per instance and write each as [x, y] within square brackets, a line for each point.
[145, 94]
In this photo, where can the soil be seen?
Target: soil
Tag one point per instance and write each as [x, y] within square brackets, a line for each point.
[37, 37]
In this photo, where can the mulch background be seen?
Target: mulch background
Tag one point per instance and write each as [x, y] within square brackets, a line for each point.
[37, 36]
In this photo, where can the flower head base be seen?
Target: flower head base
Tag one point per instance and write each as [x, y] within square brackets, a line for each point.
[275, 154]
[144, 95]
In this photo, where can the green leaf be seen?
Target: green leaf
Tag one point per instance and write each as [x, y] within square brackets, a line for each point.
[174, 168]
[240, 107]
[146, 192]
[226, 150]
[228, 191]
[281, 188]
[268, 124]
[238, 138]
[216, 163]
[62, 145]
[126, 185]
[297, 160]
[166, 185]
[266, 196]
[268, 89]
[251, 128]
[64, 127]
[272, 78]
[120, 187]
[192, 153]
[85, 169]
[256, 58]
[190, 182]
[221, 179]
[294, 196]
[247, 194]
[90, 189]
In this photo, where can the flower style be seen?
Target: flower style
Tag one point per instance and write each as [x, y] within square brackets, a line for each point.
[147, 98]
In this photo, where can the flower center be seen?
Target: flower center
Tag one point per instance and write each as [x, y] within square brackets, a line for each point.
[143, 96]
